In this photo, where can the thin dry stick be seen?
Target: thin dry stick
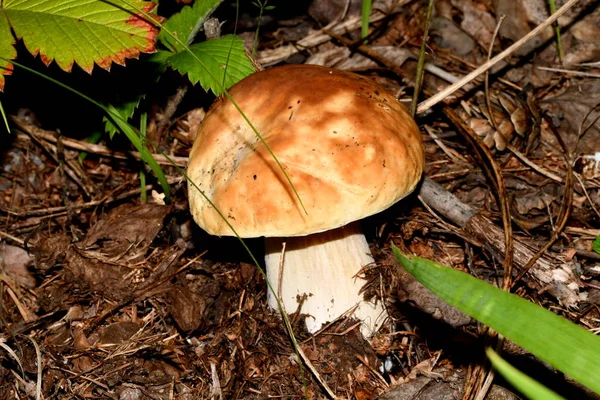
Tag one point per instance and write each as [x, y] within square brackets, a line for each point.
[53, 212]
[269, 57]
[449, 152]
[215, 389]
[11, 237]
[585, 192]
[49, 136]
[539, 169]
[280, 280]
[433, 100]
[569, 71]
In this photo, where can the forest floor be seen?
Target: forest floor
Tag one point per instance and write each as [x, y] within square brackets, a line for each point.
[106, 297]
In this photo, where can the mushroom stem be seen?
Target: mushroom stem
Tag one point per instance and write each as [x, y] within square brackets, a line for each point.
[323, 266]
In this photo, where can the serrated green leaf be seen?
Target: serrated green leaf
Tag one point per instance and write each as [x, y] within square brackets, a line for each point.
[596, 244]
[186, 24]
[7, 49]
[83, 31]
[531, 388]
[124, 110]
[564, 345]
[221, 56]
[160, 58]
[135, 138]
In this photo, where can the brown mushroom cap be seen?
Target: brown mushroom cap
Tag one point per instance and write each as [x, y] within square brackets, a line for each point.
[349, 147]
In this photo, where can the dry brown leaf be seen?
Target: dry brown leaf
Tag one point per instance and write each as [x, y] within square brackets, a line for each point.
[477, 21]
[570, 108]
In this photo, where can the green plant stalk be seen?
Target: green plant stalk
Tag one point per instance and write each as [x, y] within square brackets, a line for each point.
[235, 104]
[143, 133]
[421, 61]
[237, 16]
[564, 345]
[128, 130]
[365, 14]
[4, 118]
[93, 139]
[258, 22]
[528, 386]
[552, 5]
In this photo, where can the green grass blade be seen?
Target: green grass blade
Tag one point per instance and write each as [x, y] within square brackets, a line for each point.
[528, 386]
[93, 139]
[4, 118]
[128, 130]
[366, 13]
[564, 345]
[135, 139]
[552, 5]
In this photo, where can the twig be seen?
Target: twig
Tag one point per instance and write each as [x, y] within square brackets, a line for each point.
[540, 170]
[440, 96]
[53, 211]
[569, 71]
[269, 57]
[49, 136]
[549, 270]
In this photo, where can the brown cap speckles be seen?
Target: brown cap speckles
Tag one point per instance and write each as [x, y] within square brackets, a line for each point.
[350, 149]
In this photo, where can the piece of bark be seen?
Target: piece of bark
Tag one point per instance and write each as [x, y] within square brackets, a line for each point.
[551, 273]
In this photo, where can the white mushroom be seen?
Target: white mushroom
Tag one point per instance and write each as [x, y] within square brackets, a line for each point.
[350, 149]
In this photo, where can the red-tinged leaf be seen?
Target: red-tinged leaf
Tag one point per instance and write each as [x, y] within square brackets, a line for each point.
[83, 31]
[7, 50]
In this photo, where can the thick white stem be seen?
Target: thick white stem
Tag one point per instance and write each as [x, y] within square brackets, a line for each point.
[323, 266]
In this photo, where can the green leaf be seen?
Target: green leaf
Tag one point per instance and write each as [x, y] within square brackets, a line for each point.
[366, 13]
[82, 31]
[125, 110]
[219, 56]
[186, 24]
[7, 49]
[94, 138]
[135, 138]
[564, 345]
[531, 388]
[596, 244]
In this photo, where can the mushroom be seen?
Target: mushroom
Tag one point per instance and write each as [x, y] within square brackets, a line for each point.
[350, 150]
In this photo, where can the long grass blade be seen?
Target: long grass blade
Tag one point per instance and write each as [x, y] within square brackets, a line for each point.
[131, 133]
[531, 388]
[564, 345]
